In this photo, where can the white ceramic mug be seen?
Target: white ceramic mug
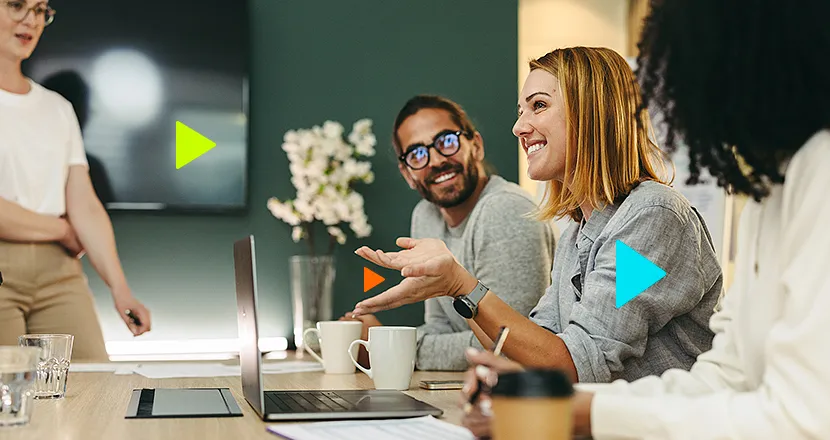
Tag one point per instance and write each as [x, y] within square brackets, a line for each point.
[335, 337]
[391, 355]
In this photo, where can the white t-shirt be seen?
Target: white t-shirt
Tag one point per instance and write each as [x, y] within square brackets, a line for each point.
[40, 138]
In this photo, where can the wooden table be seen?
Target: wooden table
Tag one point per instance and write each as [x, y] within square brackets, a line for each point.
[95, 405]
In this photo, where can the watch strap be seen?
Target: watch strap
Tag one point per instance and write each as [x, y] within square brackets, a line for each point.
[478, 293]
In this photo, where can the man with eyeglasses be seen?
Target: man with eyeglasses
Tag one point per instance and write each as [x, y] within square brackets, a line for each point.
[481, 217]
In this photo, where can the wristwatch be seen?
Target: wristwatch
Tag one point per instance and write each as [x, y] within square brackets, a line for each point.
[467, 305]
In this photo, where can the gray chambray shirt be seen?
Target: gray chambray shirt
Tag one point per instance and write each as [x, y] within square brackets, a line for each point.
[664, 327]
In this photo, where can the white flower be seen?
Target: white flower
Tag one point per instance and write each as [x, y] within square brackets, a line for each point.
[353, 169]
[299, 182]
[366, 147]
[333, 130]
[362, 127]
[342, 210]
[305, 139]
[354, 201]
[337, 233]
[291, 136]
[361, 227]
[343, 151]
[304, 209]
[316, 168]
[283, 211]
[323, 167]
[338, 177]
[297, 233]
[330, 193]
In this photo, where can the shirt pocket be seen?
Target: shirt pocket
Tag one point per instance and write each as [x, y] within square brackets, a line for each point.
[576, 283]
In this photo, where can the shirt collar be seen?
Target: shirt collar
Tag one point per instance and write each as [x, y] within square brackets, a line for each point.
[596, 223]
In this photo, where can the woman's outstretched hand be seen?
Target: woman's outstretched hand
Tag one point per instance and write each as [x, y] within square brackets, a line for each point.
[430, 271]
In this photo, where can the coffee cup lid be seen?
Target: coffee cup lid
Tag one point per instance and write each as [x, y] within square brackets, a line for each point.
[533, 383]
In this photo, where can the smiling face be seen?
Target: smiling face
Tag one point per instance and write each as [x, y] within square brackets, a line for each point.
[444, 181]
[18, 39]
[541, 126]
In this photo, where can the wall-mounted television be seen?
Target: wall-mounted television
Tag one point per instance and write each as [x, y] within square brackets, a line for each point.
[147, 65]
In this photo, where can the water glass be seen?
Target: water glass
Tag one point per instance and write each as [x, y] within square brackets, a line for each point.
[53, 365]
[18, 366]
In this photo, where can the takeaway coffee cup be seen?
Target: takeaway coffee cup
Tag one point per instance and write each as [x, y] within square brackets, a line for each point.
[533, 404]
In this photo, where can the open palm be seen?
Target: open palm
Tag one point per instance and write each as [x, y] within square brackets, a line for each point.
[429, 268]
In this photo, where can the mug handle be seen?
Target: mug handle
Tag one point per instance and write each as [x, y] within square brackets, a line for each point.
[307, 347]
[351, 356]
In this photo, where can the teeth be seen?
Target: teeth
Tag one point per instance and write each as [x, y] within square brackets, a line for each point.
[444, 177]
[536, 147]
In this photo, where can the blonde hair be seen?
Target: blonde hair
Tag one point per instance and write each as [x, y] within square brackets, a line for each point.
[608, 150]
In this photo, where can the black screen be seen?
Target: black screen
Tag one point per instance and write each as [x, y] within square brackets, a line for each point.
[148, 64]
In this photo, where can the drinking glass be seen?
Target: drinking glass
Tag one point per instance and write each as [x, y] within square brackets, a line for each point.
[53, 365]
[18, 369]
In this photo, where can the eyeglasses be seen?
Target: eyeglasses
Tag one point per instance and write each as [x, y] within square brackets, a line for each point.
[446, 143]
[44, 14]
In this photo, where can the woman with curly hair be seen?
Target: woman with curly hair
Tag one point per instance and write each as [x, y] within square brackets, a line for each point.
[745, 85]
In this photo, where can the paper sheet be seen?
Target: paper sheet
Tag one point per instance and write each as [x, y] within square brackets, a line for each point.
[166, 370]
[397, 429]
[291, 367]
[116, 368]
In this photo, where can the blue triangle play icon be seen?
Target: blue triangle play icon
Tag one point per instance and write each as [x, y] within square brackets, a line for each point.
[635, 273]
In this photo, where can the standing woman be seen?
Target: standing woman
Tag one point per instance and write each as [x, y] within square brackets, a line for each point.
[49, 213]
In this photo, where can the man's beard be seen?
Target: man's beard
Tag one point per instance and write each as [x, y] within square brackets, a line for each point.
[453, 197]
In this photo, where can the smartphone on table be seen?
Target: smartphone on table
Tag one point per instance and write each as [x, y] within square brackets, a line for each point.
[442, 384]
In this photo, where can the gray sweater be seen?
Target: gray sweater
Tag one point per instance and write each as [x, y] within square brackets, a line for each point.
[510, 253]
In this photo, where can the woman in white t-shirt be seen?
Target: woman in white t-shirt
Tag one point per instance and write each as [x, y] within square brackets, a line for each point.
[751, 78]
[49, 213]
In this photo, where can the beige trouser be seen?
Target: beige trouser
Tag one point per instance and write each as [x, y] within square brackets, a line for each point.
[45, 291]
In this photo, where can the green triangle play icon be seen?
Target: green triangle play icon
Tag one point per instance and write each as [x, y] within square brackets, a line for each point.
[190, 144]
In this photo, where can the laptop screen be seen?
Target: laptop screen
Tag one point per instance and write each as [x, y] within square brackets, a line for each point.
[249, 355]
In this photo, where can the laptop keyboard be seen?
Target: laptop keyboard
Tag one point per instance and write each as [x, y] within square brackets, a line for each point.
[306, 401]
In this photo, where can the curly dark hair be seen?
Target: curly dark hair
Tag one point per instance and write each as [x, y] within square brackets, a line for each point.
[737, 81]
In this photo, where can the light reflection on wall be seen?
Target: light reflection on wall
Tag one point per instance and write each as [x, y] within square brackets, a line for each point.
[129, 86]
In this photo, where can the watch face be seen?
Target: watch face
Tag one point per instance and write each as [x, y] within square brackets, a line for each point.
[463, 308]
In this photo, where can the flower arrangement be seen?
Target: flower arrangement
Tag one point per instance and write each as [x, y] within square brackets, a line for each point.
[324, 168]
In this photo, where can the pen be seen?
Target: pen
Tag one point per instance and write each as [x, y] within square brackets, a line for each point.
[132, 316]
[497, 346]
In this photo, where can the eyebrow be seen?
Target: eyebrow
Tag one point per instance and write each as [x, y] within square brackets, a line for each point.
[537, 93]
[529, 97]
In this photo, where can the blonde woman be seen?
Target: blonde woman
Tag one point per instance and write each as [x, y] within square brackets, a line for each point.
[580, 126]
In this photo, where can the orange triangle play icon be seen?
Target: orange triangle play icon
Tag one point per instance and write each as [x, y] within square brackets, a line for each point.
[370, 279]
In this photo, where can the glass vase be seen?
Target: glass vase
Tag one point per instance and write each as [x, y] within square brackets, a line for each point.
[312, 280]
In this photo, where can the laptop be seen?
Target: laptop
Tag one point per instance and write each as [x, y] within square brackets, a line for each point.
[302, 404]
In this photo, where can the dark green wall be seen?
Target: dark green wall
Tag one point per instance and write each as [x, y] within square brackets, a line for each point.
[314, 60]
